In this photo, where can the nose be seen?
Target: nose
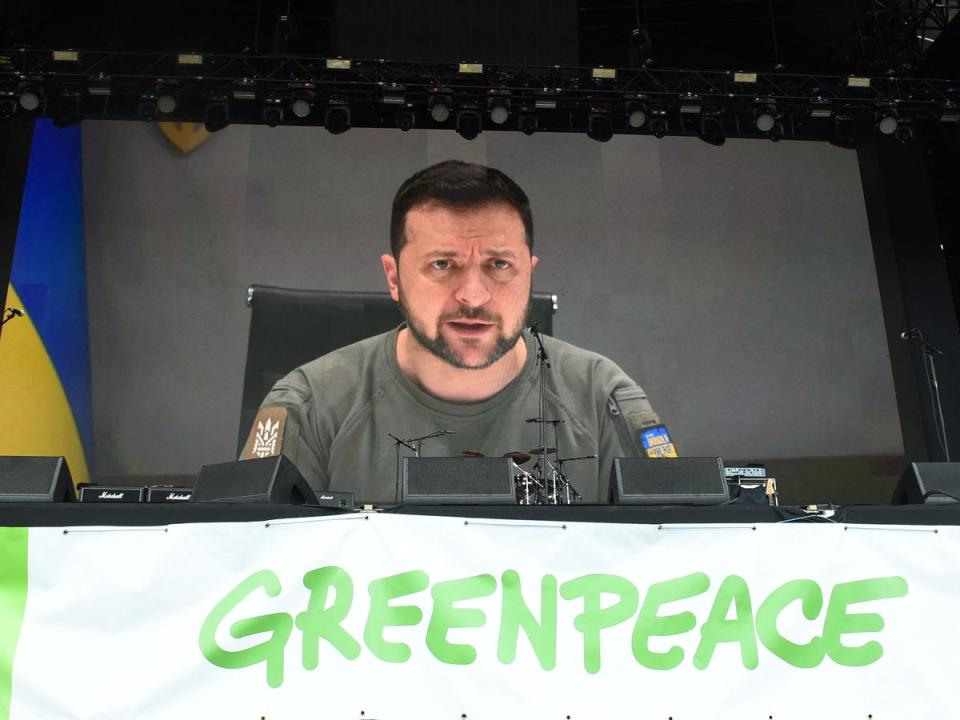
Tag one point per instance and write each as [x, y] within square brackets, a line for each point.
[472, 290]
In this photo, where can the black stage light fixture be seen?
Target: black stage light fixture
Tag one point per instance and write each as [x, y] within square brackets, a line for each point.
[658, 123]
[31, 96]
[272, 115]
[904, 132]
[844, 133]
[8, 106]
[711, 129]
[337, 119]
[147, 110]
[636, 115]
[468, 124]
[499, 111]
[67, 111]
[527, 122]
[776, 132]
[405, 119]
[765, 117]
[216, 116]
[599, 127]
[439, 108]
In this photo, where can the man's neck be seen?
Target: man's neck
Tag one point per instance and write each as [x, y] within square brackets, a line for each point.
[445, 382]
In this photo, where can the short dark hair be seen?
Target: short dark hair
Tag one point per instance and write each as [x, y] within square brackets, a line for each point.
[459, 185]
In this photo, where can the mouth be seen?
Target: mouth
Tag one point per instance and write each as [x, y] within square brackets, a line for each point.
[473, 328]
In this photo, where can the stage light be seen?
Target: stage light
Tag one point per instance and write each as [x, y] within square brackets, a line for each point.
[189, 59]
[820, 108]
[30, 97]
[405, 119]
[99, 90]
[602, 73]
[337, 119]
[636, 115]
[67, 111]
[499, 111]
[887, 122]
[776, 132]
[904, 132]
[765, 118]
[470, 68]
[711, 129]
[599, 127]
[690, 104]
[337, 64]
[950, 112]
[658, 123]
[440, 108]
[527, 122]
[65, 55]
[216, 117]
[468, 124]
[843, 132]
[244, 94]
[302, 104]
[166, 101]
[8, 106]
[272, 115]
[147, 110]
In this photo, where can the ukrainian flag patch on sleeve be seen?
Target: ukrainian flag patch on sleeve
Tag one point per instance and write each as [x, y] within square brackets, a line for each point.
[656, 442]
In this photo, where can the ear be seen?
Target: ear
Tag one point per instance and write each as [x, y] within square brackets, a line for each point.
[533, 262]
[389, 263]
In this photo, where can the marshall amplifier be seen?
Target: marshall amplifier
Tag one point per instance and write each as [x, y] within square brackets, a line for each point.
[111, 494]
[35, 479]
[327, 498]
[168, 494]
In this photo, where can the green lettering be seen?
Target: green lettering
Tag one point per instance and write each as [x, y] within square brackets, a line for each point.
[800, 655]
[319, 621]
[383, 615]
[649, 623]
[594, 617]
[279, 625]
[445, 616]
[515, 615]
[839, 622]
[718, 629]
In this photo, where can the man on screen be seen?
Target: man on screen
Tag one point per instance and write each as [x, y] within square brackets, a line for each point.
[461, 269]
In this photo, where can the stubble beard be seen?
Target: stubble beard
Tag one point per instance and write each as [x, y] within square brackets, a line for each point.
[439, 347]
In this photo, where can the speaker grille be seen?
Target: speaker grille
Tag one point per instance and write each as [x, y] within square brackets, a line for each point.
[468, 480]
[668, 481]
[35, 479]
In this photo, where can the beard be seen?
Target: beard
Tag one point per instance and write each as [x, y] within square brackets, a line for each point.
[439, 347]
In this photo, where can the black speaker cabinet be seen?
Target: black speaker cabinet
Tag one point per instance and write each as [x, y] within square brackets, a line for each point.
[668, 481]
[264, 480]
[35, 479]
[932, 482]
[458, 481]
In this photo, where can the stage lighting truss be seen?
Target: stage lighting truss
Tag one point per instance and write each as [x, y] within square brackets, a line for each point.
[341, 93]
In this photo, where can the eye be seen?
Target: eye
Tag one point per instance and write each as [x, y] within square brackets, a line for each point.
[440, 264]
[500, 264]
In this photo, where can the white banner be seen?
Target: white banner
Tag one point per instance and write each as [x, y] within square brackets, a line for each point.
[409, 618]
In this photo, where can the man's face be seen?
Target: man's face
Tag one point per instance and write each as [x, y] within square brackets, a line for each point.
[463, 281]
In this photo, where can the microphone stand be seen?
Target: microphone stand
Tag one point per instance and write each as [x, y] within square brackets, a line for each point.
[543, 362]
[415, 445]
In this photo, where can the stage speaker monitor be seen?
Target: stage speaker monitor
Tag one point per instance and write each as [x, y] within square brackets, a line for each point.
[668, 481]
[263, 480]
[458, 481]
[35, 479]
[931, 482]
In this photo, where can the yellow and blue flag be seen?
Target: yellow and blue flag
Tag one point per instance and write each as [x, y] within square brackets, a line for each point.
[45, 354]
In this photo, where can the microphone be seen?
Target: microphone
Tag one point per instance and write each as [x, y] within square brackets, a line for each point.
[909, 334]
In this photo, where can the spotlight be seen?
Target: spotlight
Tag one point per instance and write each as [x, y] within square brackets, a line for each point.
[468, 124]
[337, 119]
[887, 122]
[904, 132]
[765, 118]
[499, 112]
[216, 117]
[166, 101]
[147, 110]
[405, 119]
[440, 108]
[636, 116]
[599, 127]
[527, 122]
[300, 106]
[711, 129]
[30, 97]
[272, 115]
[68, 112]
[658, 124]
[843, 132]
[8, 106]
[776, 132]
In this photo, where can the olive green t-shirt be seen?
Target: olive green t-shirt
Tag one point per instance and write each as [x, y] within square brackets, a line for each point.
[341, 407]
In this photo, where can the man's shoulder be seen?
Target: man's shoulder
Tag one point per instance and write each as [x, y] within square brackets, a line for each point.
[340, 373]
[576, 361]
